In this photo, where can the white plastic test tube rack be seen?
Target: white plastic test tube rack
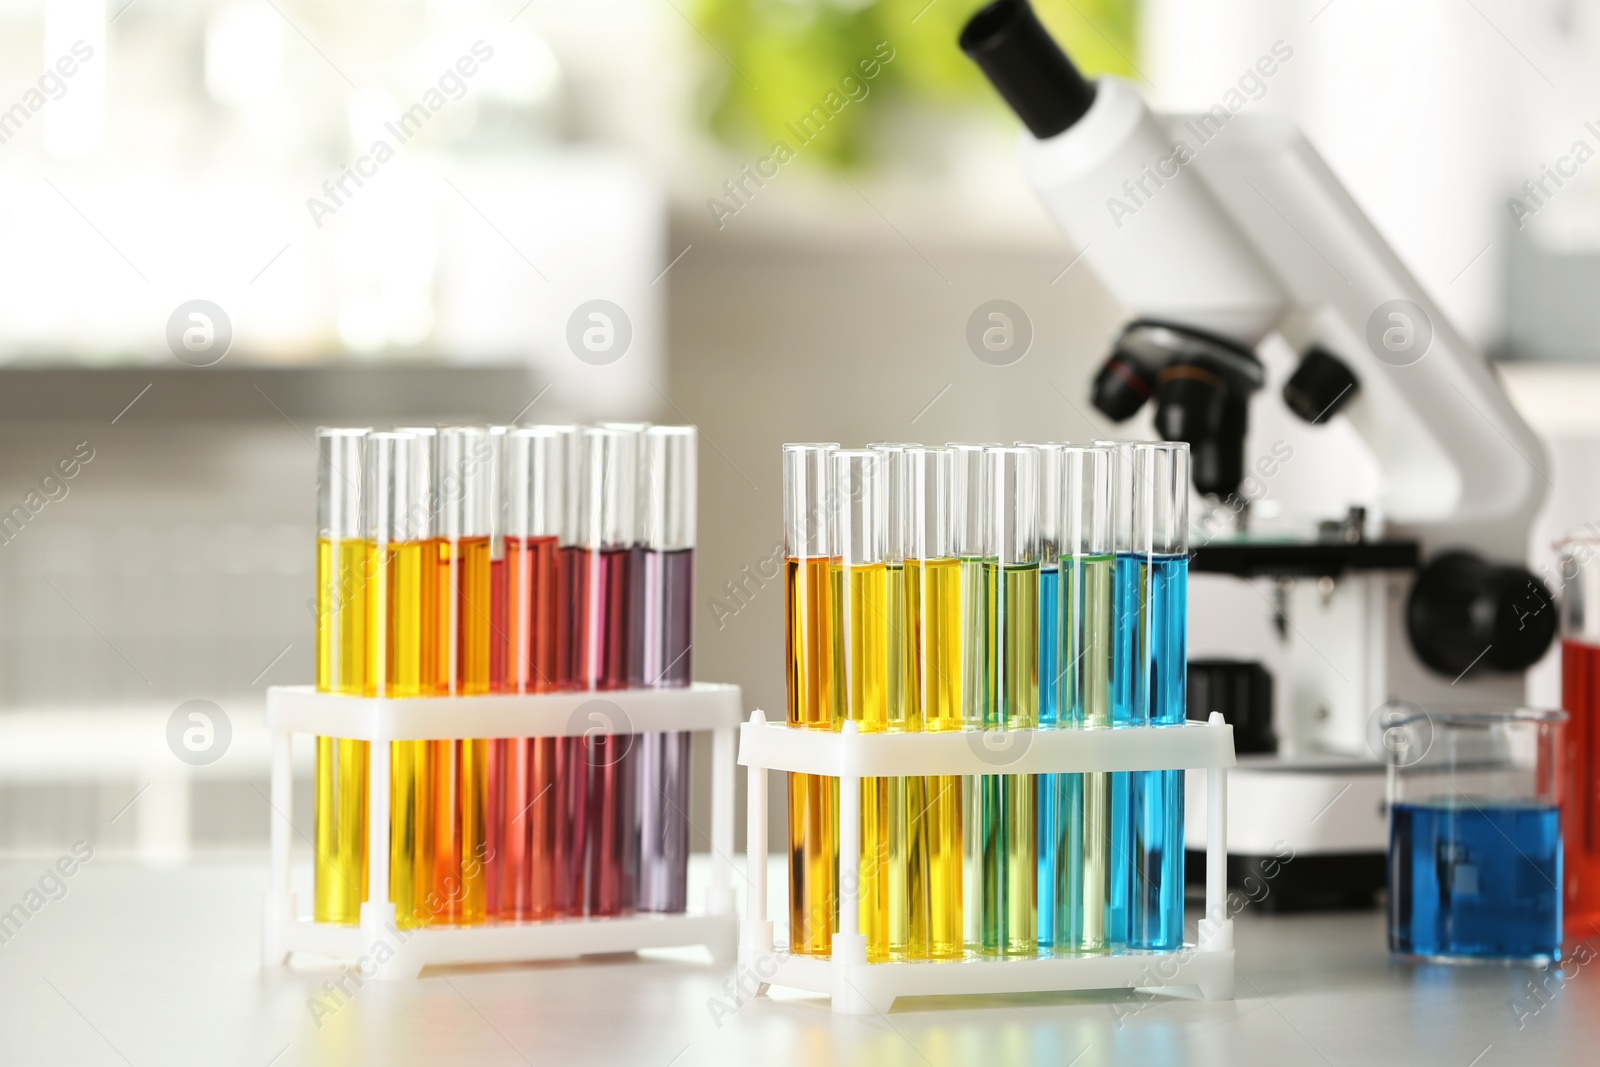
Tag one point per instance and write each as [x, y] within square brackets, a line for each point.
[704, 706]
[858, 987]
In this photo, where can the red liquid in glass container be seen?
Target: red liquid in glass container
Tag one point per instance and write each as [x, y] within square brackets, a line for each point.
[1580, 696]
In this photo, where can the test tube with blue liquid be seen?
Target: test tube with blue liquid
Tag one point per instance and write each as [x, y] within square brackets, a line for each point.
[1048, 508]
[1126, 609]
[1160, 485]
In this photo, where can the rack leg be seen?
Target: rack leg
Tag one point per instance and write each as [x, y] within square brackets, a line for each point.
[377, 912]
[755, 932]
[849, 946]
[279, 909]
[722, 801]
[1216, 928]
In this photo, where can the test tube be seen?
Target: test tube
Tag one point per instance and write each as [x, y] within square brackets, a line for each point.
[811, 686]
[464, 478]
[933, 583]
[608, 499]
[1161, 549]
[527, 803]
[907, 868]
[1011, 583]
[394, 557]
[669, 532]
[572, 667]
[414, 647]
[1082, 835]
[861, 543]
[637, 611]
[969, 504]
[1125, 610]
[1048, 504]
[341, 764]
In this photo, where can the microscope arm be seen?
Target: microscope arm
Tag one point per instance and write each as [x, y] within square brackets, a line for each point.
[1248, 232]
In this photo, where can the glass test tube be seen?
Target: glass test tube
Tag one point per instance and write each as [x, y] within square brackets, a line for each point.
[341, 765]
[906, 862]
[609, 532]
[933, 584]
[969, 506]
[572, 666]
[811, 665]
[527, 802]
[671, 468]
[861, 542]
[1126, 612]
[386, 519]
[464, 478]
[1082, 835]
[637, 611]
[414, 646]
[1051, 817]
[1011, 586]
[1161, 547]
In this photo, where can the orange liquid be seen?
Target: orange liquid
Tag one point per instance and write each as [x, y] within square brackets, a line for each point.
[458, 770]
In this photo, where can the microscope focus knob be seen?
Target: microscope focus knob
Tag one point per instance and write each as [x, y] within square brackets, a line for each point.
[1466, 613]
[1320, 386]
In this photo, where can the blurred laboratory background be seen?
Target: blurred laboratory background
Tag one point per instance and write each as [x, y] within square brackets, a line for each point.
[797, 204]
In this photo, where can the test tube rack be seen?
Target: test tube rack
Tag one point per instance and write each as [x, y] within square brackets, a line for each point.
[703, 706]
[857, 987]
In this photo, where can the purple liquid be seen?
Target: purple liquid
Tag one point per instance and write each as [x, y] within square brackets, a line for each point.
[668, 600]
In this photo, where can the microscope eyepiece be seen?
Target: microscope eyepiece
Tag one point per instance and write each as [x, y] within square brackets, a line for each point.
[1027, 67]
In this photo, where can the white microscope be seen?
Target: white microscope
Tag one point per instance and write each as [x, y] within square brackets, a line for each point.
[1219, 231]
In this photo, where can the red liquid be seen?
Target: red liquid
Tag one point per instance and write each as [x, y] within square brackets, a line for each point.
[522, 808]
[612, 839]
[611, 600]
[532, 596]
[1580, 802]
[572, 634]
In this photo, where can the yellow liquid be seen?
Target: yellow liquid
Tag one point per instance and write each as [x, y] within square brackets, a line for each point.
[409, 672]
[973, 614]
[341, 769]
[865, 621]
[907, 868]
[811, 664]
[459, 769]
[933, 597]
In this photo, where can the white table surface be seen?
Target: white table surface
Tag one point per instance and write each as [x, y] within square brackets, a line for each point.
[139, 967]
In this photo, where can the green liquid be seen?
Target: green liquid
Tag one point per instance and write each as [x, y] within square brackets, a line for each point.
[1084, 887]
[1009, 801]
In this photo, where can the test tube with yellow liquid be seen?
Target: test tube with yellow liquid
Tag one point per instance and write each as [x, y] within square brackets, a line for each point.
[860, 539]
[968, 504]
[933, 598]
[907, 864]
[341, 766]
[463, 486]
[811, 665]
[399, 529]
[1009, 902]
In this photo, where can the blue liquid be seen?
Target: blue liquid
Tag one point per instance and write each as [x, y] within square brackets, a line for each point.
[1156, 917]
[1127, 614]
[1482, 881]
[1050, 812]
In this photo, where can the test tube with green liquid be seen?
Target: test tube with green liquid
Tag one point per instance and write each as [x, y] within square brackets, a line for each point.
[1085, 875]
[1009, 806]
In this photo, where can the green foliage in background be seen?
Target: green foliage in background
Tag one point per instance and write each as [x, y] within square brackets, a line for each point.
[780, 58]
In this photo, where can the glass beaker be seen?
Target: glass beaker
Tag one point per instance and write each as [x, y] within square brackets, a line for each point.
[1474, 832]
[1580, 695]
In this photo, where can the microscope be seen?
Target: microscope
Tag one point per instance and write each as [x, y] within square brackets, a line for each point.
[1219, 232]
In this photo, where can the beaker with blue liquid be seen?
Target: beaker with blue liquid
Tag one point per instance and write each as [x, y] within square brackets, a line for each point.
[1474, 832]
